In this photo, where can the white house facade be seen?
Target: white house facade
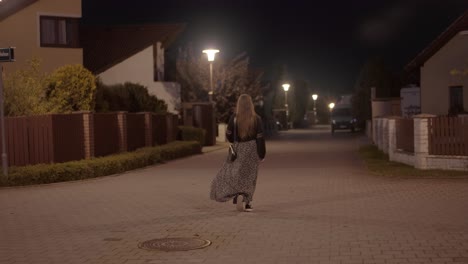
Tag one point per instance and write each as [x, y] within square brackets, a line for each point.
[139, 69]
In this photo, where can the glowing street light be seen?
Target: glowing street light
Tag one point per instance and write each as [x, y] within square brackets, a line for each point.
[314, 97]
[331, 106]
[210, 53]
[286, 88]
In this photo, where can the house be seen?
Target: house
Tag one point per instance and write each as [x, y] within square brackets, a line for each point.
[50, 31]
[437, 71]
[132, 53]
[44, 29]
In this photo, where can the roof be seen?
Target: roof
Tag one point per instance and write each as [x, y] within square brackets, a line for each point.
[106, 46]
[460, 24]
[9, 7]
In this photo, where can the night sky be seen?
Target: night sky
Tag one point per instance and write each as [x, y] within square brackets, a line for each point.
[323, 42]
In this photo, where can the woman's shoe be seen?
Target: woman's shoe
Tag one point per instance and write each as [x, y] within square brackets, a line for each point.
[248, 208]
[240, 203]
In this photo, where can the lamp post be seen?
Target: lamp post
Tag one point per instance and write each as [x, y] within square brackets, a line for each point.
[286, 88]
[7, 55]
[211, 56]
[314, 97]
[331, 106]
[2, 123]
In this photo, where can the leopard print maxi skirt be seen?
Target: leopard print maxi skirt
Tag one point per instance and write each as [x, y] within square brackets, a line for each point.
[239, 176]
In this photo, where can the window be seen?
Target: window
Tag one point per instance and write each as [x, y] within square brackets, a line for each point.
[456, 99]
[59, 32]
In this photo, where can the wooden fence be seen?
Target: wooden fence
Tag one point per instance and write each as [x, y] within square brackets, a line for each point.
[201, 115]
[135, 131]
[405, 134]
[29, 140]
[159, 129]
[66, 137]
[448, 136]
[106, 134]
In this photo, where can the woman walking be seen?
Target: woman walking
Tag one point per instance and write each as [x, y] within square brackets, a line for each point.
[237, 179]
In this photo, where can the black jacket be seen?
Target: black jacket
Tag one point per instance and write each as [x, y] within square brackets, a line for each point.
[258, 136]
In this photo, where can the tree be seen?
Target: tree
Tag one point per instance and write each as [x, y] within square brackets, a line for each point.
[71, 88]
[191, 74]
[373, 74]
[24, 91]
[236, 78]
[281, 77]
[230, 79]
[300, 99]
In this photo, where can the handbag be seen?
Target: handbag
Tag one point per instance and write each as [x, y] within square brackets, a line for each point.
[232, 152]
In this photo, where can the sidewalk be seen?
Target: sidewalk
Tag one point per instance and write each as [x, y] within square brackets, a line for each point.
[218, 146]
[315, 203]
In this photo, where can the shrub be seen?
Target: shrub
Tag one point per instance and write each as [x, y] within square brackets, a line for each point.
[25, 91]
[190, 133]
[96, 167]
[130, 97]
[71, 88]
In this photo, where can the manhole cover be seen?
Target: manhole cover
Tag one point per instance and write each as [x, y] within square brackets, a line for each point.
[174, 244]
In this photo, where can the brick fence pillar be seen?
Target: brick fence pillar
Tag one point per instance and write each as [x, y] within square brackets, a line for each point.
[391, 137]
[378, 132]
[88, 132]
[385, 135]
[421, 140]
[148, 129]
[122, 124]
[88, 125]
[374, 130]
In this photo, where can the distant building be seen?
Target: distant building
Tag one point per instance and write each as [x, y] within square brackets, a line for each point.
[442, 91]
[133, 53]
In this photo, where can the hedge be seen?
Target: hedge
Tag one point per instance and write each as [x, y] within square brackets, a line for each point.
[190, 133]
[96, 167]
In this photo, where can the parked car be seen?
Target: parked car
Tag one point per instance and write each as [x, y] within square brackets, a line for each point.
[342, 118]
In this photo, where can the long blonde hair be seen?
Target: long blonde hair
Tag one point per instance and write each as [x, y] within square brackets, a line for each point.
[246, 116]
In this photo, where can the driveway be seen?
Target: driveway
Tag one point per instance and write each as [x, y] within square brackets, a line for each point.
[315, 203]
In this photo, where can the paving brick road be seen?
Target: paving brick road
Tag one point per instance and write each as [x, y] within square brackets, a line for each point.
[315, 203]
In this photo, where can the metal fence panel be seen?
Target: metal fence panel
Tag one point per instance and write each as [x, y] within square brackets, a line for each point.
[106, 134]
[68, 134]
[135, 131]
[40, 139]
[159, 129]
[28, 140]
[448, 136]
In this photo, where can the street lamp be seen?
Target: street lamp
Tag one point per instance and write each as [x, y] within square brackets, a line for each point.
[331, 105]
[211, 56]
[286, 88]
[314, 97]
